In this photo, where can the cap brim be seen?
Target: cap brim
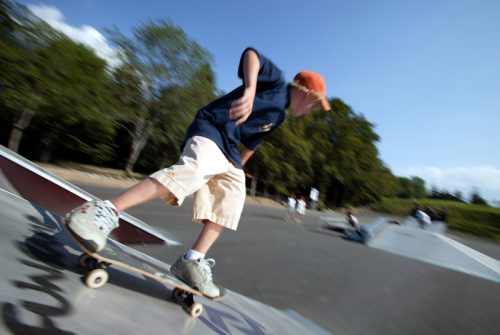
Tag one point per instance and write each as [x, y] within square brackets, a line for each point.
[325, 105]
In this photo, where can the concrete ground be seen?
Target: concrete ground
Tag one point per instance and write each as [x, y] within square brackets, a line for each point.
[42, 290]
[345, 287]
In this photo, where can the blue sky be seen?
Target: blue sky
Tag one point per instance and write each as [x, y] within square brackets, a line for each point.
[426, 73]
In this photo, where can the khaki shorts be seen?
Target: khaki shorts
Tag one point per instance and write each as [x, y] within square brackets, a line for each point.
[218, 185]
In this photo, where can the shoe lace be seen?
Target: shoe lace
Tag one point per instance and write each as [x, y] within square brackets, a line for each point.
[206, 266]
[106, 218]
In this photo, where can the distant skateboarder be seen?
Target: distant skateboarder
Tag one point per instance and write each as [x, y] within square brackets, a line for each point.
[423, 218]
[352, 220]
[300, 209]
[210, 165]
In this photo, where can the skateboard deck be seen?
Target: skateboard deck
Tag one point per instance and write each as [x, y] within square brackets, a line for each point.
[119, 255]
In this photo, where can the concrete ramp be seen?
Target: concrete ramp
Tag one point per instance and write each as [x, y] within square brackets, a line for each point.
[41, 290]
[28, 180]
[438, 227]
[429, 245]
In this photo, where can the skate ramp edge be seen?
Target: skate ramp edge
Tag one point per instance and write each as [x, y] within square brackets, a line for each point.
[35, 184]
[42, 292]
[372, 229]
[434, 248]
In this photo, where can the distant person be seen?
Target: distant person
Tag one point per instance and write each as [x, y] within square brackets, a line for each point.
[290, 208]
[211, 164]
[423, 218]
[352, 220]
[300, 209]
[413, 212]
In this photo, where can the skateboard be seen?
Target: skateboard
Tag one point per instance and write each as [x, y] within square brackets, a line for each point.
[119, 255]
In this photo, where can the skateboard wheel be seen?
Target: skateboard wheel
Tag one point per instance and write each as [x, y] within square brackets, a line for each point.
[177, 295]
[96, 278]
[83, 260]
[195, 310]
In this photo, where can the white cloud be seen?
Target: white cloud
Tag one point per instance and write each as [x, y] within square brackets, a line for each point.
[464, 179]
[85, 34]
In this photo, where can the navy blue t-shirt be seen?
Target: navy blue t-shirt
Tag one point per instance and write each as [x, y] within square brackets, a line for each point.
[271, 99]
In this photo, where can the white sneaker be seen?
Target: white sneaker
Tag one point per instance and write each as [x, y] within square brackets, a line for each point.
[92, 222]
[197, 274]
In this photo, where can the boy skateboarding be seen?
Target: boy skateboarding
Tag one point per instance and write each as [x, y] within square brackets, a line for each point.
[210, 165]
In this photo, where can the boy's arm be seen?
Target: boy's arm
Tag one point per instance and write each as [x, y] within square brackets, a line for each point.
[241, 108]
[245, 156]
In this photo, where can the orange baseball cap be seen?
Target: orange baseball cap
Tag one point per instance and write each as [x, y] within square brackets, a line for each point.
[314, 82]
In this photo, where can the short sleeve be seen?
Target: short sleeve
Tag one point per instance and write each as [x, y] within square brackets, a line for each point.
[269, 74]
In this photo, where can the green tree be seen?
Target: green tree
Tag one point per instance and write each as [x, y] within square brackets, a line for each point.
[160, 56]
[177, 107]
[334, 152]
[445, 195]
[476, 199]
[77, 95]
[22, 79]
[7, 22]
[359, 176]
[283, 160]
[413, 187]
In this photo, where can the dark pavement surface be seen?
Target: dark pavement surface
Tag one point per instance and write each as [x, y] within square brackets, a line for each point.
[345, 287]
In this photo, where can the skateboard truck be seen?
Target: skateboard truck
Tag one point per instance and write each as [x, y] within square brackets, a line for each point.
[97, 276]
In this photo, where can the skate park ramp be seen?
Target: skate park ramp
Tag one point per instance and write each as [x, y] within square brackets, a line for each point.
[33, 183]
[42, 291]
[428, 244]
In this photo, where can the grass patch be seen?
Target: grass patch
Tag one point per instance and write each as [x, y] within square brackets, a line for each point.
[478, 220]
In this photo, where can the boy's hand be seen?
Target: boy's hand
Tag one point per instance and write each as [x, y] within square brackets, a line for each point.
[242, 108]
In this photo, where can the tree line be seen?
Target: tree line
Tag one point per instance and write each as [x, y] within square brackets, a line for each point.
[59, 101]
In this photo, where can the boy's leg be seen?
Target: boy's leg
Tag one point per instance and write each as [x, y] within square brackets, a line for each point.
[144, 191]
[217, 205]
[288, 214]
[93, 221]
[193, 268]
[208, 235]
